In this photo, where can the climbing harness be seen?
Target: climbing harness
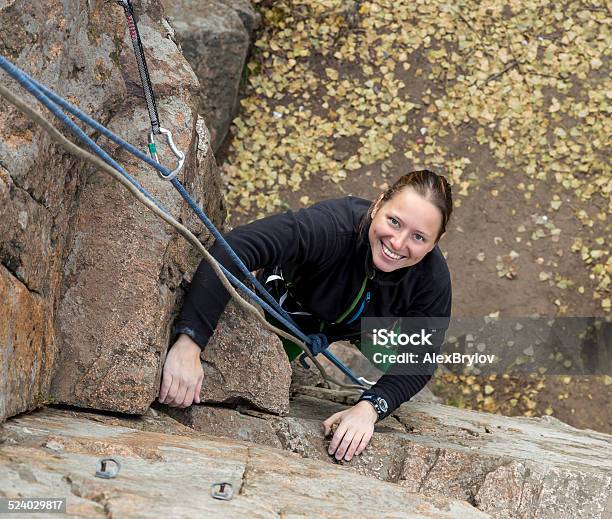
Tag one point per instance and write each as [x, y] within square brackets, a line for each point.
[311, 344]
[147, 88]
[319, 342]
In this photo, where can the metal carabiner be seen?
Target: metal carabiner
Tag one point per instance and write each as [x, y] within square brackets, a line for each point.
[364, 380]
[177, 153]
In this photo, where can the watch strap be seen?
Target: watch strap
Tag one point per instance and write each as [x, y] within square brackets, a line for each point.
[378, 403]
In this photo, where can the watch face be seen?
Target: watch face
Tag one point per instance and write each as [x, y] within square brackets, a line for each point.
[382, 403]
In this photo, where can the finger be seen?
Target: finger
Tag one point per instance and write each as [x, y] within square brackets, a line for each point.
[172, 391]
[327, 425]
[355, 442]
[180, 395]
[364, 443]
[326, 428]
[198, 390]
[344, 445]
[329, 422]
[332, 419]
[338, 436]
[188, 397]
[165, 386]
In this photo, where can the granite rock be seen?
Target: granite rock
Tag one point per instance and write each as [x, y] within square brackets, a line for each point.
[92, 279]
[506, 467]
[215, 37]
[56, 452]
[244, 363]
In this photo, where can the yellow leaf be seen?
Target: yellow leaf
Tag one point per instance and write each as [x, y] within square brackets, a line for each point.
[503, 55]
[555, 204]
[332, 74]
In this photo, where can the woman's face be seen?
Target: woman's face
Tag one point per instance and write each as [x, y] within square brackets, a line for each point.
[404, 229]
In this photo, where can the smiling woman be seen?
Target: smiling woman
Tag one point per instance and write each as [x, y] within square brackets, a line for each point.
[408, 220]
[403, 231]
[330, 265]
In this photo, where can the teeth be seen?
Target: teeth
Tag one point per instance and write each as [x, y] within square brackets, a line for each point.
[389, 253]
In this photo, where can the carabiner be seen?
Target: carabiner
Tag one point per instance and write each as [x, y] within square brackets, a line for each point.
[177, 153]
[364, 380]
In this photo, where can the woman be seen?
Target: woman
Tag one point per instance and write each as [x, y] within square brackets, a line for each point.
[341, 260]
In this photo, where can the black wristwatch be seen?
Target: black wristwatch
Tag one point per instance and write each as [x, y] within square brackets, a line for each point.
[379, 403]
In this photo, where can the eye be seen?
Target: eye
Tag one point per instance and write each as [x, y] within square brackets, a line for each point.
[393, 221]
[419, 237]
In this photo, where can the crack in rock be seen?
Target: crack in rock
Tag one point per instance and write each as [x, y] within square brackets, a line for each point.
[100, 498]
[407, 428]
[245, 473]
[19, 278]
[431, 467]
[39, 202]
[473, 499]
[397, 468]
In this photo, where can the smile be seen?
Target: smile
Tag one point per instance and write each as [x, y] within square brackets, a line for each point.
[389, 253]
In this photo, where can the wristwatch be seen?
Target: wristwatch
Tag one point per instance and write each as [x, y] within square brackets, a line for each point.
[379, 403]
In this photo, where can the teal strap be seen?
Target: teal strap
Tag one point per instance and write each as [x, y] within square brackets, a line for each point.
[354, 303]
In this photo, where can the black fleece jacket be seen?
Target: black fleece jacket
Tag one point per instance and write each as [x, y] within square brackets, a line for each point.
[325, 254]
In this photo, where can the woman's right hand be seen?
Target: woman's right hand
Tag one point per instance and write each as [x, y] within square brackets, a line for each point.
[182, 374]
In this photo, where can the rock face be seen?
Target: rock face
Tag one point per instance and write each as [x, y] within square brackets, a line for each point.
[506, 467]
[25, 352]
[91, 278]
[245, 364]
[214, 36]
[54, 453]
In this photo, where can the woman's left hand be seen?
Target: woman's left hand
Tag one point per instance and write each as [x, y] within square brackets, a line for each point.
[355, 429]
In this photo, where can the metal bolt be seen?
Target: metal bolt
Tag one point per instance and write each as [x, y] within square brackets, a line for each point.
[224, 491]
[107, 473]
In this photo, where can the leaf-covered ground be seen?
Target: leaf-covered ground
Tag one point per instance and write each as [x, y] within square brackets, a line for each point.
[509, 99]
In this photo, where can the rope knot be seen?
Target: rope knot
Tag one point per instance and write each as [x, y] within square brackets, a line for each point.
[317, 342]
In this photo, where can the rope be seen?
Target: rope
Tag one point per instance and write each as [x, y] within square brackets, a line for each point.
[42, 93]
[27, 82]
[47, 97]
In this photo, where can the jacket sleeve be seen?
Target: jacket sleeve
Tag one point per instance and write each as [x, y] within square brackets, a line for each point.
[306, 236]
[431, 311]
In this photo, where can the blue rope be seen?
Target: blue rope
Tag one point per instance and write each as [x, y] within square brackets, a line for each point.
[47, 100]
[317, 343]
[33, 88]
[27, 81]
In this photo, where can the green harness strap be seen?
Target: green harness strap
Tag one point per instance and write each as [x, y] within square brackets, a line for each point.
[354, 303]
